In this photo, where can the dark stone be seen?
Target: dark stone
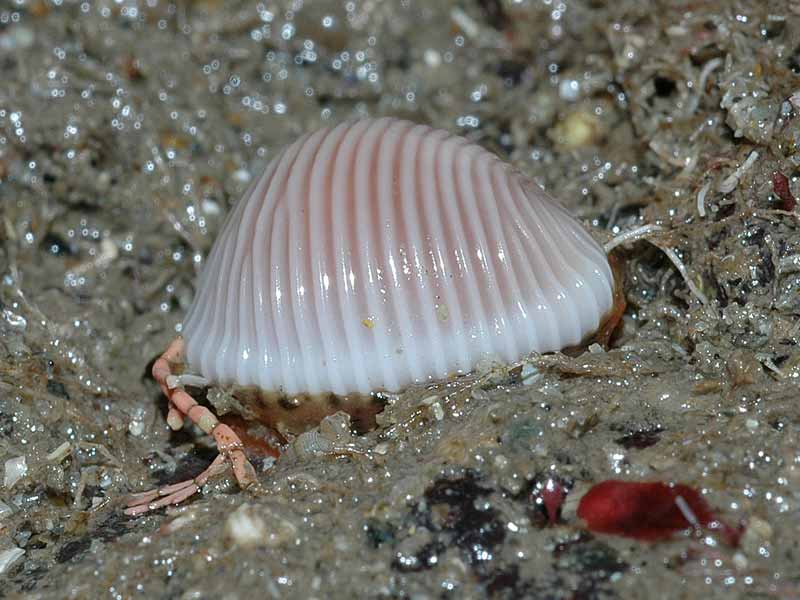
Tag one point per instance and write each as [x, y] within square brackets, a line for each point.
[664, 86]
[643, 438]
[56, 245]
[73, 551]
[57, 389]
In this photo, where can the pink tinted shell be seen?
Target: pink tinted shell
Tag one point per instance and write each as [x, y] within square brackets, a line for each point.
[379, 253]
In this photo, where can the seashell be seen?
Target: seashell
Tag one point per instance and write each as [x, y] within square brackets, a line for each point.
[380, 253]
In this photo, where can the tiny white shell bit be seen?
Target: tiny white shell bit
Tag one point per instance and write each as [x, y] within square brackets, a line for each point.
[380, 253]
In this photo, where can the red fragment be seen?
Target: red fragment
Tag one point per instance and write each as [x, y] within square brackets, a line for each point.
[647, 511]
[780, 185]
[552, 495]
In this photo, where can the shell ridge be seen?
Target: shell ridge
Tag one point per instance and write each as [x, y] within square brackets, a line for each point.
[578, 233]
[320, 249]
[265, 332]
[416, 350]
[601, 276]
[266, 223]
[393, 238]
[244, 318]
[583, 239]
[384, 317]
[519, 322]
[280, 279]
[317, 371]
[556, 251]
[389, 214]
[563, 305]
[346, 232]
[206, 303]
[386, 197]
[538, 251]
[221, 320]
[462, 313]
[493, 305]
[297, 249]
[367, 198]
[229, 356]
[467, 244]
[590, 312]
[551, 250]
[426, 286]
[449, 310]
[280, 286]
[533, 282]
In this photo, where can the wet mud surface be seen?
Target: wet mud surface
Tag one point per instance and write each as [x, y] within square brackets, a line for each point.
[128, 129]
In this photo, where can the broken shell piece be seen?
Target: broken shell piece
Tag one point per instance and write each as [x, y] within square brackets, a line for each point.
[16, 469]
[9, 557]
[174, 381]
[60, 453]
[245, 527]
[249, 526]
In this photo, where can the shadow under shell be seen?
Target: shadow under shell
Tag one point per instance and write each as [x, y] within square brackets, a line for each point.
[293, 414]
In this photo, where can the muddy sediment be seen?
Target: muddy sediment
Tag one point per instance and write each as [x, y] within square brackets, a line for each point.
[128, 130]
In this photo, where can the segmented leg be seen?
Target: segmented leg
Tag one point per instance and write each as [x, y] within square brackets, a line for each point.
[182, 406]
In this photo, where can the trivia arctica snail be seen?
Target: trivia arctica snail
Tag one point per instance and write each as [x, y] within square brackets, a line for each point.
[367, 257]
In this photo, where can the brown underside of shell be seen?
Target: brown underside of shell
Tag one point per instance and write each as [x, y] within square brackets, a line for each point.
[291, 415]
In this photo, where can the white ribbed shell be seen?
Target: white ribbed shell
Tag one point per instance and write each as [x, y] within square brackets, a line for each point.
[380, 253]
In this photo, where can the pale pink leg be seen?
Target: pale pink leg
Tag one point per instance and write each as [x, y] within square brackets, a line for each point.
[162, 370]
[182, 405]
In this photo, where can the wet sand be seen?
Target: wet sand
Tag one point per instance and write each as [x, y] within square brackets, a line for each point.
[128, 130]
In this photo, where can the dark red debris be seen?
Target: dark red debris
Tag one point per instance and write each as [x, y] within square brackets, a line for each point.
[552, 495]
[648, 511]
[780, 185]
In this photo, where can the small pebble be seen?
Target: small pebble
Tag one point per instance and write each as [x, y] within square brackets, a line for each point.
[438, 411]
[241, 176]
[429, 400]
[17, 38]
[740, 561]
[211, 208]
[136, 428]
[432, 58]
[569, 89]
[578, 129]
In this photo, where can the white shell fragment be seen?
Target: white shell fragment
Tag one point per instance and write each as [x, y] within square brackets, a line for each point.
[245, 527]
[15, 469]
[8, 557]
[249, 526]
[380, 253]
